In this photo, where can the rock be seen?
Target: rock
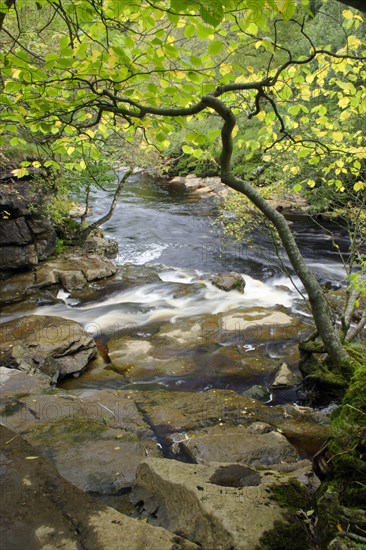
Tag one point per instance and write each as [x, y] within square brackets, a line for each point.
[183, 415]
[259, 428]
[18, 257]
[74, 270]
[218, 506]
[261, 393]
[285, 378]
[15, 232]
[14, 382]
[259, 326]
[223, 443]
[204, 187]
[39, 509]
[229, 281]
[26, 235]
[138, 274]
[100, 246]
[51, 347]
[95, 438]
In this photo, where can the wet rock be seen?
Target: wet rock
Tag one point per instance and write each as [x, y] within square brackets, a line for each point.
[216, 505]
[228, 281]
[39, 509]
[138, 274]
[261, 393]
[51, 347]
[262, 326]
[285, 378]
[101, 247]
[236, 444]
[187, 413]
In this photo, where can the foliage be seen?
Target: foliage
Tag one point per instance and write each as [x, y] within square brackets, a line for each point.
[61, 188]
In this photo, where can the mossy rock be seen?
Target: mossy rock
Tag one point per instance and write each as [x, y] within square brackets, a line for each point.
[341, 498]
[325, 380]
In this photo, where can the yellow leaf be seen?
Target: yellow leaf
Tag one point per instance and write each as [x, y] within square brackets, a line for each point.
[180, 74]
[337, 136]
[15, 73]
[295, 170]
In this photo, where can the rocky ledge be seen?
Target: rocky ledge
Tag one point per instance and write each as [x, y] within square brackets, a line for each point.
[51, 347]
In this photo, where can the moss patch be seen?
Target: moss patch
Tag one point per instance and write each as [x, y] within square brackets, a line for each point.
[67, 430]
[348, 442]
[292, 533]
[342, 496]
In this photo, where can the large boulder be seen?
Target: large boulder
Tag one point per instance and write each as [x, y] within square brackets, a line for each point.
[51, 347]
[27, 236]
[39, 509]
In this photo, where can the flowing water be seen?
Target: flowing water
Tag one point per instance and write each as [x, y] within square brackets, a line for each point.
[168, 326]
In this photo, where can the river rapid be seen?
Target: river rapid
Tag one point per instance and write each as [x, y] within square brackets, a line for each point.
[166, 325]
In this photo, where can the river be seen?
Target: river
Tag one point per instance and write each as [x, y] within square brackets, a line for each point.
[175, 329]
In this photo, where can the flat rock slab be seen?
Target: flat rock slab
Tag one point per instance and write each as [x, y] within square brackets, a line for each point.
[219, 506]
[96, 439]
[51, 347]
[224, 443]
[40, 510]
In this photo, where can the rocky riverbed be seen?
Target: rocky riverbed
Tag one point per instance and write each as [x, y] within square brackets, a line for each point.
[166, 394]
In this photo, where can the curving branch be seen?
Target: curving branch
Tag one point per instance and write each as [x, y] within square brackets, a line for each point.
[319, 305]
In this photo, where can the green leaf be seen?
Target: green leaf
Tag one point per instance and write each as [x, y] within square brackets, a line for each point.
[215, 47]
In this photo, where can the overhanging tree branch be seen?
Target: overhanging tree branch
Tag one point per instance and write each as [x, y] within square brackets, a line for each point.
[319, 304]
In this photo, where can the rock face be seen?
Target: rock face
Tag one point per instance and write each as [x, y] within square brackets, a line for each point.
[229, 281]
[39, 509]
[26, 235]
[218, 506]
[51, 347]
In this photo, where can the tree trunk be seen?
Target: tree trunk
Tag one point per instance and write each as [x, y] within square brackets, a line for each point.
[320, 309]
